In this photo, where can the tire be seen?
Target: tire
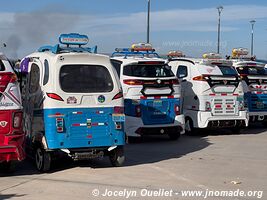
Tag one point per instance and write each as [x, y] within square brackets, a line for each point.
[42, 160]
[117, 157]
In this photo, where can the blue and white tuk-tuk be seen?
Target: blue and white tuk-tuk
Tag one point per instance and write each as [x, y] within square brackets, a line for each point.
[73, 103]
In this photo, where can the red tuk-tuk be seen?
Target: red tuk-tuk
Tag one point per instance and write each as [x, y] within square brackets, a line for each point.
[11, 128]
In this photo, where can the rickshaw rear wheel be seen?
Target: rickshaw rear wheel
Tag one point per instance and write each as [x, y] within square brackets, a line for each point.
[42, 160]
[117, 157]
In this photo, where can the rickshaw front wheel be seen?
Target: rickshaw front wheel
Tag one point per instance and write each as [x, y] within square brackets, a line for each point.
[117, 157]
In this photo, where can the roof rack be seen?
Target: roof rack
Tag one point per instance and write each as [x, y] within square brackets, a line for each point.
[130, 52]
[58, 49]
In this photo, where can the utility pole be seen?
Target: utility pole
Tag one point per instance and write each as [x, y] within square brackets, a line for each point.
[148, 22]
[219, 8]
[252, 22]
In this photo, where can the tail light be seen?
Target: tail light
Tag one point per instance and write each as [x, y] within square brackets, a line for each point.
[60, 125]
[118, 96]
[54, 96]
[118, 110]
[177, 110]
[200, 78]
[167, 82]
[208, 106]
[5, 79]
[150, 82]
[138, 110]
[133, 82]
[175, 81]
[17, 119]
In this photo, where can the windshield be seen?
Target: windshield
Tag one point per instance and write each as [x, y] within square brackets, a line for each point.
[85, 79]
[252, 70]
[227, 70]
[148, 71]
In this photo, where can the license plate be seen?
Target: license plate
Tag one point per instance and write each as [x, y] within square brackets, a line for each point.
[260, 105]
[157, 103]
[118, 118]
[159, 113]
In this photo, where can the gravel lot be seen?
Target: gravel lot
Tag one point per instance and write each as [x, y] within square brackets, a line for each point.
[157, 166]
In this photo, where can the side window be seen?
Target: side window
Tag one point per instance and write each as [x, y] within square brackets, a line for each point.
[46, 72]
[34, 78]
[2, 66]
[117, 66]
[182, 71]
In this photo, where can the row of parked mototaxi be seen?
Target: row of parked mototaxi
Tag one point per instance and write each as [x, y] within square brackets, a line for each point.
[68, 100]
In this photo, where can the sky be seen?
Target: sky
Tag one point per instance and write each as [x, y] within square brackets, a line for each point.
[189, 26]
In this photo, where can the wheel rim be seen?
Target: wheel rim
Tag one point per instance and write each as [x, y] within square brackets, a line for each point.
[39, 159]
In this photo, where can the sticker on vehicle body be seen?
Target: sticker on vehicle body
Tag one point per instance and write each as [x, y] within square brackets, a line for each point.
[259, 105]
[72, 100]
[157, 103]
[3, 124]
[6, 104]
[101, 99]
[118, 117]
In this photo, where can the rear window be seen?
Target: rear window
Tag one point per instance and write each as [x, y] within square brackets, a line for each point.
[149, 71]
[228, 71]
[252, 70]
[2, 66]
[85, 79]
